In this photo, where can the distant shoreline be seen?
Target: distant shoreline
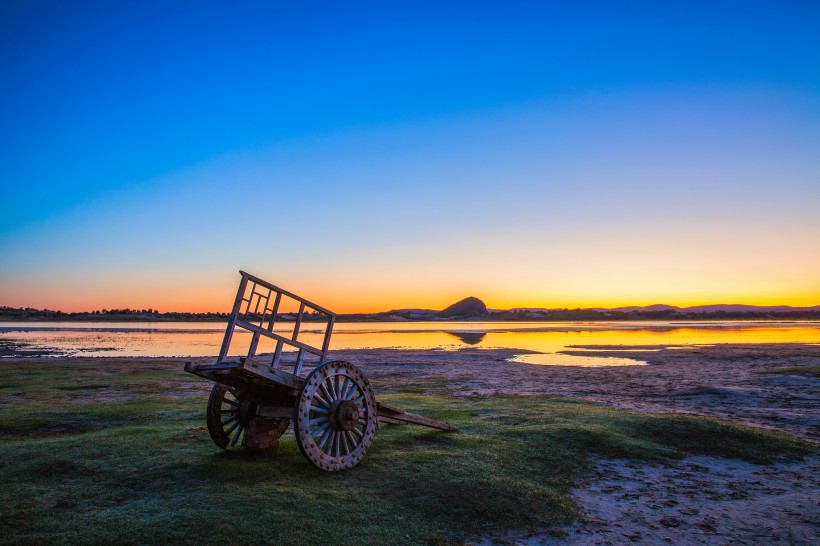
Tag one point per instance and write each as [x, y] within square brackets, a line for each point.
[469, 309]
[704, 317]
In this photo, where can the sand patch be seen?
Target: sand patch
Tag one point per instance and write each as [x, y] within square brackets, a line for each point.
[697, 500]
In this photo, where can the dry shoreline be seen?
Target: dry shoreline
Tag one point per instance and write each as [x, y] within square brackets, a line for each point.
[696, 500]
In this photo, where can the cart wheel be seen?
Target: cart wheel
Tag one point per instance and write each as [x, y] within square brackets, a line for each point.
[335, 416]
[229, 417]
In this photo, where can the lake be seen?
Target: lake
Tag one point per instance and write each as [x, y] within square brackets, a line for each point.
[175, 339]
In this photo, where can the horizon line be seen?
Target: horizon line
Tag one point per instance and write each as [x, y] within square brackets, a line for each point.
[151, 310]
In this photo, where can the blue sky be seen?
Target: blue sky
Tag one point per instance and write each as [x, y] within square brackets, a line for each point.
[388, 155]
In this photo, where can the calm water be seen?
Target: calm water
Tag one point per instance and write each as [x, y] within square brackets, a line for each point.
[204, 339]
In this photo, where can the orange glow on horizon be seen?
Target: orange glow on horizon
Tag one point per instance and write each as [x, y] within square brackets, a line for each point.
[219, 298]
[501, 284]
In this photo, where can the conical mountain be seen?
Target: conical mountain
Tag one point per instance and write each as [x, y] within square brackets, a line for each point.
[468, 307]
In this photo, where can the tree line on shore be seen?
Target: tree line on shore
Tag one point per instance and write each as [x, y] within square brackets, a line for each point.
[27, 313]
[553, 315]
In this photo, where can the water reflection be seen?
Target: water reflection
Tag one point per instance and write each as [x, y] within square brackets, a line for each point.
[470, 338]
[559, 359]
[549, 339]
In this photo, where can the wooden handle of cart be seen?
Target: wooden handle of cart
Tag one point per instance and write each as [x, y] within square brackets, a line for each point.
[395, 416]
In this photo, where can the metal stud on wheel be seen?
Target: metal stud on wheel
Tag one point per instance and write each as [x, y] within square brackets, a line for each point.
[229, 417]
[335, 416]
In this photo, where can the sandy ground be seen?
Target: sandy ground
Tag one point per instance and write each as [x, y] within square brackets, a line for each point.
[698, 500]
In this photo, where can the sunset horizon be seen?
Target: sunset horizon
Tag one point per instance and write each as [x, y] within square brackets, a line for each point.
[224, 304]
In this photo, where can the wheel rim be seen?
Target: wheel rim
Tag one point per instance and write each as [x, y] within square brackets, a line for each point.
[335, 416]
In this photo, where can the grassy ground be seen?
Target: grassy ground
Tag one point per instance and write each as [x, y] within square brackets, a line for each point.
[117, 452]
[794, 370]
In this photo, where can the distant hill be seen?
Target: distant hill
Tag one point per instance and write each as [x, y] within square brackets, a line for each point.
[739, 308]
[720, 307]
[468, 307]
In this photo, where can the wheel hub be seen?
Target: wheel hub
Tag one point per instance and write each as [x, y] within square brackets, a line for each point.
[345, 414]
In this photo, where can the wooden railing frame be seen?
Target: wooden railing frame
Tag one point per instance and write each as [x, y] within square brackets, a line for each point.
[266, 328]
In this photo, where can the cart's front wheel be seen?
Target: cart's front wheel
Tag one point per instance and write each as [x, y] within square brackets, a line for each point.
[232, 420]
[335, 416]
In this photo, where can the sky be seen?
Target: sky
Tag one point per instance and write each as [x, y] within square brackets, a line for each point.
[373, 156]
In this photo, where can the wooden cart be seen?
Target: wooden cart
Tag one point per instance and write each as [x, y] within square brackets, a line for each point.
[334, 411]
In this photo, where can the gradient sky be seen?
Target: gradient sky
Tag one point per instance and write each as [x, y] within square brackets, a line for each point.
[386, 155]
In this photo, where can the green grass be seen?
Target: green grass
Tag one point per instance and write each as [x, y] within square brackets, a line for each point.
[794, 370]
[99, 452]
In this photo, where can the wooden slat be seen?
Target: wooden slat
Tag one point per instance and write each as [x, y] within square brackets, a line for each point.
[274, 311]
[298, 321]
[193, 368]
[277, 354]
[297, 368]
[277, 376]
[258, 300]
[328, 332]
[226, 341]
[254, 343]
[275, 288]
[297, 344]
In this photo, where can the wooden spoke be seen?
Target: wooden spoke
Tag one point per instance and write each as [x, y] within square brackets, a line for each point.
[237, 434]
[348, 442]
[331, 442]
[233, 426]
[328, 395]
[321, 400]
[318, 430]
[229, 419]
[325, 438]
